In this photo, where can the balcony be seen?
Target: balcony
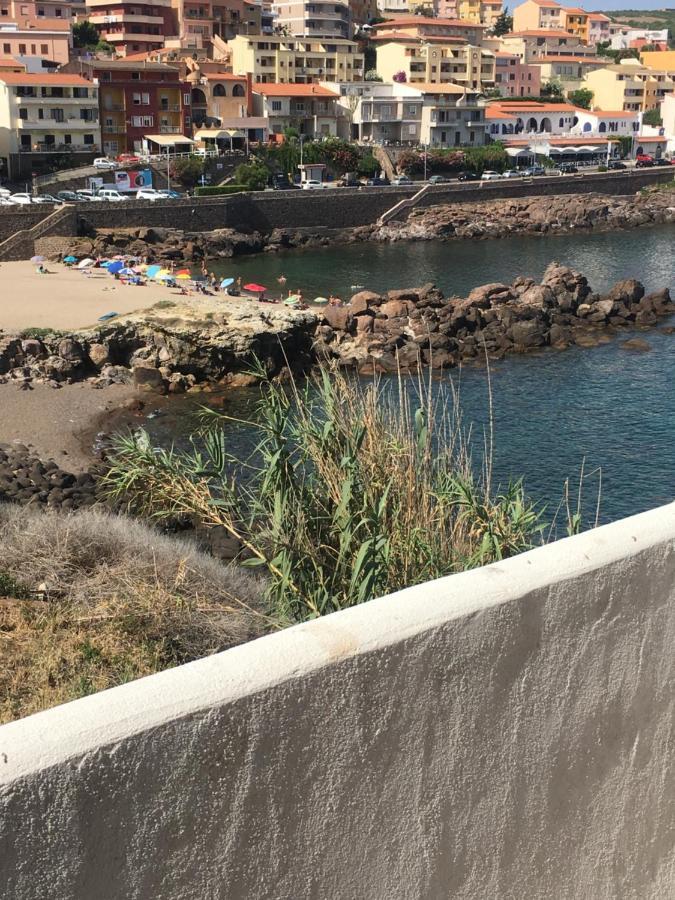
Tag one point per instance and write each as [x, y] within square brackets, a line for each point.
[169, 129]
[114, 129]
[41, 147]
[171, 107]
[114, 37]
[121, 19]
[54, 125]
[73, 101]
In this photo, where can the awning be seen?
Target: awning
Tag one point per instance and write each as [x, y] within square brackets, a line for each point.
[519, 151]
[216, 134]
[168, 140]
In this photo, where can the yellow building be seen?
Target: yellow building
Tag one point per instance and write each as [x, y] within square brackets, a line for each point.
[437, 61]
[628, 86]
[533, 15]
[277, 59]
[576, 22]
[661, 60]
[485, 12]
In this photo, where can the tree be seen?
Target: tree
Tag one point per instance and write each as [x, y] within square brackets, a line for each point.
[399, 77]
[104, 47]
[551, 88]
[372, 75]
[85, 35]
[252, 175]
[188, 170]
[652, 117]
[503, 25]
[581, 98]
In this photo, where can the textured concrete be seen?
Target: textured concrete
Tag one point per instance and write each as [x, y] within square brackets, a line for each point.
[505, 733]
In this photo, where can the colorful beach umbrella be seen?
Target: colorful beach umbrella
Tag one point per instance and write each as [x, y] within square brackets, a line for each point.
[292, 299]
[320, 300]
[184, 276]
[183, 272]
[115, 267]
[151, 271]
[69, 259]
[128, 271]
[255, 288]
[226, 282]
[37, 259]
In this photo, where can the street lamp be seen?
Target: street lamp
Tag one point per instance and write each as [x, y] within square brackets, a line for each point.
[424, 147]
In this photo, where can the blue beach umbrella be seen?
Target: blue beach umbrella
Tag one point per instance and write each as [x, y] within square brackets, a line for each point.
[226, 282]
[127, 271]
[70, 259]
[151, 271]
[106, 263]
[115, 267]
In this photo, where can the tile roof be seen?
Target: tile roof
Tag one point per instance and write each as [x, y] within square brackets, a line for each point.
[293, 90]
[425, 20]
[47, 78]
[540, 32]
[404, 37]
[223, 76]
[36, 23]
[446, 88]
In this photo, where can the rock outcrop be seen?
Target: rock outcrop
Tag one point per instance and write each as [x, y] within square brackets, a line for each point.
[26, 479]
[401, 330]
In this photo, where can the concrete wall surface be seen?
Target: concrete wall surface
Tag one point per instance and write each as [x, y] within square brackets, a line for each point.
[503, 733]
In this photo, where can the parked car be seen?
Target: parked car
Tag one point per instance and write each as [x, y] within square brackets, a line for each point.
[615, 164]
[313, 184]
[512, 173]
[21, 199]
[400, 180]
[643, 161]
[533, 171]
[568, 168]
[169, 194]
[111, 195]
[45, 198]
[662, 162]
[349, 179]
[68, 197]
[437, 179]
[149, 194]
[128, 159]
[490, 176]
[377, 181]
[280, 182]
[89, 196]
[468, 176]
[104, 163]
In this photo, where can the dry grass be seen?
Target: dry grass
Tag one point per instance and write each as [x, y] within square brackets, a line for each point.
[110, 600]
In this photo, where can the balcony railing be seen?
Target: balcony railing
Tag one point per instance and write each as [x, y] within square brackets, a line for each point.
[171, 107]
[169, 129]
[60, 148]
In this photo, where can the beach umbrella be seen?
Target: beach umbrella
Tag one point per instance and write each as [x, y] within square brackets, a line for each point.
[115, 267]
[292, 299]
[255, 288]
[105, 263]
[127, 271]
[85, 263]
[226, 282]
[37, 259]
[70, 259]
[320, 300]
[183, 272]
[184, 276]
[165, 276]
[151, 271]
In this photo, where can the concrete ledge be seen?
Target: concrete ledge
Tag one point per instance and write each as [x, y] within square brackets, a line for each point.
[503, 733]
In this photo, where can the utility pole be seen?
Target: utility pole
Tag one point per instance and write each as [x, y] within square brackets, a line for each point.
[168, 171]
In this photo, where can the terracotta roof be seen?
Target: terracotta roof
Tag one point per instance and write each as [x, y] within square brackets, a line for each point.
[576, 11]
[47, 78]
[293, 90]
[547, 3]
[425, 20]
[599, 17]
[579, 140]
[148, 54]
[406, 38]
[540, 32]
[37, 23]
[591, 60]
[650, 140]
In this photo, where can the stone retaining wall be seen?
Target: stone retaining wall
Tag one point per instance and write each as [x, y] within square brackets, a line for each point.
[503, 733]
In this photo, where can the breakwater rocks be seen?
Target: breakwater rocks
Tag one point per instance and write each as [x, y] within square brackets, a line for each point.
[26, 479]
[531, 215]
[172, 348]
[403, 329]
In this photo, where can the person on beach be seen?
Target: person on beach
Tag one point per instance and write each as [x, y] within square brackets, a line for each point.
[213, 281]
[205, 271]
[238, 285]
[281, 280]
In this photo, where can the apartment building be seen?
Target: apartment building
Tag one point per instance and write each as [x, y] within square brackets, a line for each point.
[423, 28]
[133, 26]
[668, 118]
[314, 18]
[44, 117]
[199, 21]
[514, 78]
[484, 12]
[452, 117]
[310, 108]
[533, 45]
[436, 61]
[36, 9]
[660, 60]
[38, 38]
[363, 11]
[514, 118]
[137, 99]
[598, 28]
[276, 59]
[624, 37]
[537, 15]
[610, 122]
[567, 71]
[216, 96]
[629, 86]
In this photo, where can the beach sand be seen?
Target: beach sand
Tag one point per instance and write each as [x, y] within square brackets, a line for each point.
[68, 299]
[59, 423]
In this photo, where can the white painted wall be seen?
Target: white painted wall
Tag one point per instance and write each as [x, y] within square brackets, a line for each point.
[505, 733]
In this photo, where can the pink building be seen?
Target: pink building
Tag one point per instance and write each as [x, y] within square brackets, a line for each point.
[446, 9]
[514, 78]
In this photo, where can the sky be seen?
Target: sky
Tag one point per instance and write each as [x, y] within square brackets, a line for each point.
[598, 5]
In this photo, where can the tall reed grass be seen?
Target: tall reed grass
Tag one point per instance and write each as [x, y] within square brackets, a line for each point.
[353, 491]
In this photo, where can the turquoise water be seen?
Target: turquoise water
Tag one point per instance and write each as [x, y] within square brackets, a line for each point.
[609, 410]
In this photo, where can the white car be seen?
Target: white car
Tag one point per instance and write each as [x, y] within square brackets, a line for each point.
[149, 194]
[490, 176]
[313, 185]
[21, 199]
[111, 195]
[401, 180]
[89, 195]
[104, 163]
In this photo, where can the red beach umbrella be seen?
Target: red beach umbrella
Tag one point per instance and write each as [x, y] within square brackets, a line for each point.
[183, 272]
[255, 288]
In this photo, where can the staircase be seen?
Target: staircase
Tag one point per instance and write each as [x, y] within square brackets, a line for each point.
[21, 244]
[406, 203]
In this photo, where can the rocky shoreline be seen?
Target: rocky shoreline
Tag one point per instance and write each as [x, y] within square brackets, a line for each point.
[174, 348]
[460, 221]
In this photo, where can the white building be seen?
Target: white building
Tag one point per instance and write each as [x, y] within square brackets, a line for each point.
[616, 122]
[623, 38]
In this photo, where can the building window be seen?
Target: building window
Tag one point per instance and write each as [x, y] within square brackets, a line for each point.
[67, 139]
[44, 49]
[186, 99]
[6, 48]
[89, 139]
[141, 99]
[276, 105]
[412, 129]
[135, 76]
[23, 112]
[22, 49]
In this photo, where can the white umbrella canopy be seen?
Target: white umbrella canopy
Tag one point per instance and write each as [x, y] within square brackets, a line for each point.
[85, 263]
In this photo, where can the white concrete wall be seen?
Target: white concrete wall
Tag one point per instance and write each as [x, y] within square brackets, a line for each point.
[505, 733]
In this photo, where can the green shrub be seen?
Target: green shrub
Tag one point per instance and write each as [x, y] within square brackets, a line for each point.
[253, 175]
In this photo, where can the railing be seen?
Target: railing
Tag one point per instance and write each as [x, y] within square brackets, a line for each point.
[169, 129]
[61, 148]
[171, 107]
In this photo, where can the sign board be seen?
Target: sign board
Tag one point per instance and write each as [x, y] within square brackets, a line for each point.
[133, 180]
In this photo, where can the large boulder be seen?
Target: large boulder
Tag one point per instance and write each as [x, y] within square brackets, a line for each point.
[628, 291]
[527, 334]
[487, 294]
[99, 355]
[363, 303]
[338, 317]
[148, 378]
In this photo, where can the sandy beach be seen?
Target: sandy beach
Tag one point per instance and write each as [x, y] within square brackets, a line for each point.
[67, 299]
[58, 423]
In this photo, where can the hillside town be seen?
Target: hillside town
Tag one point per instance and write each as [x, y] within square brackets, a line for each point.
[121, 81]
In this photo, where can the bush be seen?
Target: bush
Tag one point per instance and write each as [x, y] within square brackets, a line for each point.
[368, 166]
[221, 190]
[581, 98]
[354, 490]
[188, 170]
[252, 175]
[118, 601]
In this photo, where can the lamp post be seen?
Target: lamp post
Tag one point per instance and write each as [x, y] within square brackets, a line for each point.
[424, 147]
[168, 171]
